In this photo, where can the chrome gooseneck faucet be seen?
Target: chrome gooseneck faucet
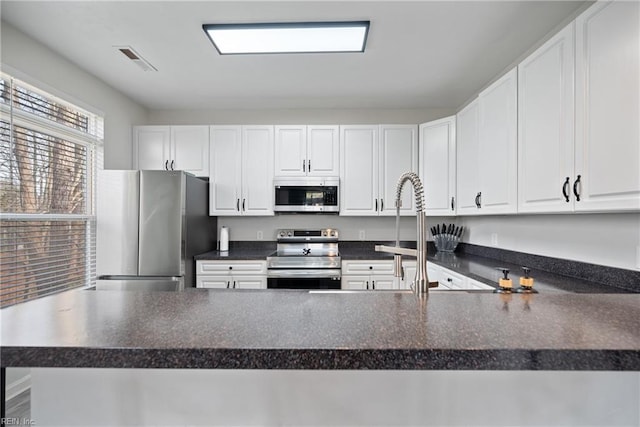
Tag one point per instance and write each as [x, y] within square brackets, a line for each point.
[420, 284]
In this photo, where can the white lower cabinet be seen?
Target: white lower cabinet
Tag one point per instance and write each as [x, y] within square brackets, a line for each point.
[231, 274]
[447, 279]
[367, 275]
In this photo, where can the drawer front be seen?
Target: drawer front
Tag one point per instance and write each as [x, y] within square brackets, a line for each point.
[367, 267]
[231, 267]
[451, 280]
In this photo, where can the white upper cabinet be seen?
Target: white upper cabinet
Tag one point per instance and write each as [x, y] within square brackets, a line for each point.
[359, 170]
[545, 126]
[398, 154]
[307, 150]
[498, 146]
[438, 166]
[241, 180]
[257, 170]
[225, 182]
[607, 161]
[467, 186]
[487, 151]
[372, 159]
[172, 148]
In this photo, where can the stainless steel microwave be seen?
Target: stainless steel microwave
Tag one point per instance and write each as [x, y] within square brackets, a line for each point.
[306, 194]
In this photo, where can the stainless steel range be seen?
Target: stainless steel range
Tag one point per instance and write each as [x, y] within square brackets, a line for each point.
[305, 259]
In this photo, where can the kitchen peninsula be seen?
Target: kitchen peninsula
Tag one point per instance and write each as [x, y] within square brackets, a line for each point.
[283, 331]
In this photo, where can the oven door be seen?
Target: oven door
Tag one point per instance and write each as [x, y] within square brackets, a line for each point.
[303, 279]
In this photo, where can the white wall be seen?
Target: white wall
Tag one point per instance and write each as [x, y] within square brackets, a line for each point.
[375, 228]
[29, 60]
[606, 239]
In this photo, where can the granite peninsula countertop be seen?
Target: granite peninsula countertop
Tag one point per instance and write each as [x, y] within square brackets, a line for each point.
[297, 329]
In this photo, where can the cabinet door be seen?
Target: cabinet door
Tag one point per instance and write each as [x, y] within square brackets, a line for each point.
[545, 126]
[359, 170]
[213, 282]
[498, 146]
[355, 282]
[607, 107]
[323, 151]
[151, 147]
[257, 170]
[409, 274]
[467, 159]
[379, 283]
[225, 162]
[290, 150]
[190, 149]
[438, 166]
[249, 282]
[398, 154]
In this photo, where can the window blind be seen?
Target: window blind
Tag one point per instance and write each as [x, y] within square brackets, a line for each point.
[49, 154]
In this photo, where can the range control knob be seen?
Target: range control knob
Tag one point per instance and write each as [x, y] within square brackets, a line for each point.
[333, 233]
[289, 234]
[324, 233]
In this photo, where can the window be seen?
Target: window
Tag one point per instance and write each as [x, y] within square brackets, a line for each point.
[50, 151]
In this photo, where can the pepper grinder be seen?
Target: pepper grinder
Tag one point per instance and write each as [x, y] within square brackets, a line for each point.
[526, 283]
[505, 284]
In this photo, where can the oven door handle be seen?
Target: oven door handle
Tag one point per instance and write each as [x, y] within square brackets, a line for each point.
[306, 273]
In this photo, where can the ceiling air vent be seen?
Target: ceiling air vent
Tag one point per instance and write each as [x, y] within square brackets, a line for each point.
[136, 58]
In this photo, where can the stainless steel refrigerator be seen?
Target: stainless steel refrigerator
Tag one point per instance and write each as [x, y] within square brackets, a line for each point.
[150, 224]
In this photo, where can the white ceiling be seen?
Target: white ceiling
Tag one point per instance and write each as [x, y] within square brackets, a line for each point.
[420, 54]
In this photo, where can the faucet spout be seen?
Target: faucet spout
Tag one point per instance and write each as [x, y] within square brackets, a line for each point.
[420, 284]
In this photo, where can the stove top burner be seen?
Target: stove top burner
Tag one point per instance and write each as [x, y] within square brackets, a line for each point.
[300, 249]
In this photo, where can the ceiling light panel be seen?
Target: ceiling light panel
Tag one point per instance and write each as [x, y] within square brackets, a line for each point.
[300, 37]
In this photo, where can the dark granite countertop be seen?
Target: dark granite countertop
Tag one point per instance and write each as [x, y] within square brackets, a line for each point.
[295, 329]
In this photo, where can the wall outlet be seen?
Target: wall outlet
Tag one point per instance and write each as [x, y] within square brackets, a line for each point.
[494, 239]
[361, 234]
[260, 236]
